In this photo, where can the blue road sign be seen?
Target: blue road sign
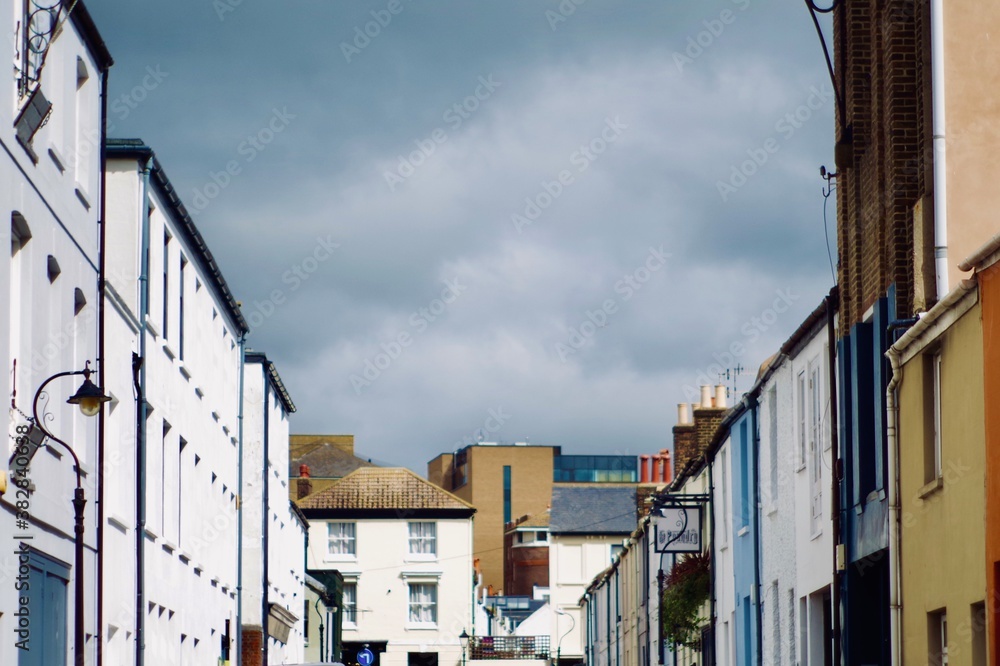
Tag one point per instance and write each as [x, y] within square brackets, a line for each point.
[365, 657]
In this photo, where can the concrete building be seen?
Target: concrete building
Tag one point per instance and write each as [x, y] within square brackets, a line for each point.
[587, 528]
[50, 180]
[272, 551]
[404, 549]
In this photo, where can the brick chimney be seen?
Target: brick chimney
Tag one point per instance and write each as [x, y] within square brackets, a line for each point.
[305, 486]
[693, 436]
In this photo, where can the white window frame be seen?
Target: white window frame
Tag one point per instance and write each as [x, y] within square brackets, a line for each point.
[413, 540]
[800, 406]
[936, 369]
[350, 616]
[350, 540]
[411, 587]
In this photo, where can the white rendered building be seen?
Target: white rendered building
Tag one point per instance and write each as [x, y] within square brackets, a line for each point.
[404, 549]
[272, 616]
[51, 192]
[588, 526]
[186, 328]
[796, 481]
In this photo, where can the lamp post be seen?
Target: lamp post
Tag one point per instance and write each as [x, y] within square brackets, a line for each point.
[90, 398]
[560, 611]
[464, 638]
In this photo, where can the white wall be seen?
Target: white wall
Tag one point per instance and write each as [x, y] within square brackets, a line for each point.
[722, 553]
[190, 545]
[574, 560]
[39, 327]
[286, 533]
[382, 569]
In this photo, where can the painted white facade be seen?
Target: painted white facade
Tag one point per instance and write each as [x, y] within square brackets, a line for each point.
[574, 561]
[382, 570]
[722, 555]
[192, 453]
[49, 320]
[263, 393]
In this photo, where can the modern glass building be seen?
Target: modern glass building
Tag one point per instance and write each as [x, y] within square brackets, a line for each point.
[596, 469]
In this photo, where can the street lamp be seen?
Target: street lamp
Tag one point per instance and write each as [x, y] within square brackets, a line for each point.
[90, 398]
[560, 611]
[464, 638]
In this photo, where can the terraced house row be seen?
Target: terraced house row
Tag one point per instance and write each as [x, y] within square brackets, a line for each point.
[848, 503]
[152, 525]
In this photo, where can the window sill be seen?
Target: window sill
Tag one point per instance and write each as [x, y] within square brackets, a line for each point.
[350, 626]
[744, 531]
[771, 509]
[341, 558]
[931, 488]
[801, 467]
[421, 626]
[815, 535]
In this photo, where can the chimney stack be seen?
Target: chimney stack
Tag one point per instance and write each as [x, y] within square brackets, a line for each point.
[692, 436]
[305, 485]
[706, 397]
[720, 396]
[668, 474]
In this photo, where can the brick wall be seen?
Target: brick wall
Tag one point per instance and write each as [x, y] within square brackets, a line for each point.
[881, 50]
[252, 649]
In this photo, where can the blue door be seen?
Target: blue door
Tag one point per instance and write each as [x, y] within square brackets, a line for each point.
[47, 611]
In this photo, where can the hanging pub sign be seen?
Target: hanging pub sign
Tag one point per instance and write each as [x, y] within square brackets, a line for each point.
[678, 529]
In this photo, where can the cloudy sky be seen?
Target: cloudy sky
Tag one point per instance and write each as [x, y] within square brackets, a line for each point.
[523, 220]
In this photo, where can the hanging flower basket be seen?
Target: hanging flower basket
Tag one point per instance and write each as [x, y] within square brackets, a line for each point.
[687, 588]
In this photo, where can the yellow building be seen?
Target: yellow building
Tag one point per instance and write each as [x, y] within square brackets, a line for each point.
[939, 435]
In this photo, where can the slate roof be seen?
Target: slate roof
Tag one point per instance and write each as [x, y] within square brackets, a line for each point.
[593, 510]
[326, 461]
[383, 489]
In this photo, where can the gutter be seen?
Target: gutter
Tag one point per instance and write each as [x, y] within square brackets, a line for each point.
[835, 475]
[755, 426]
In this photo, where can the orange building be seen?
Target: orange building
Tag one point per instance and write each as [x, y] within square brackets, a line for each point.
[986, 263]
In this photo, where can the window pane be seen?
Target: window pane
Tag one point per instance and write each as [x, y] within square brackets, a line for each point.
[423, 538]
[350, 602]
[423, 603]
[341, 538]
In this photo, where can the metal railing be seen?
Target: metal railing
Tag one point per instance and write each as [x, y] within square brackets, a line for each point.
[509, 647]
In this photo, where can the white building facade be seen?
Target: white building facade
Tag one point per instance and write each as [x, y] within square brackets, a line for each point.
[273, 609]
[168, 304]
[589, 525]
[51, 189]
[404, 549]
[796, 480]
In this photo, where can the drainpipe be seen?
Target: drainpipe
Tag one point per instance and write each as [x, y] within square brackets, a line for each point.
[895, 606]
[831, 341]
[756, 528]
[101, 275]
[139, 377]
[712, 563]
[940, 163]
[239, 511]
[264, 515]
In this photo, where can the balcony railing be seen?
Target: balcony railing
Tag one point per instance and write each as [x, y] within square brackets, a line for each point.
[509, 647]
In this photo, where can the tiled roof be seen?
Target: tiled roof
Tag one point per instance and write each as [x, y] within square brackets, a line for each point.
[593, 510]
[383, 488]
